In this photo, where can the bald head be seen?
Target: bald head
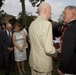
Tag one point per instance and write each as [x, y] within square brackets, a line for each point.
[44, 9]
[8, 27]
[43, 6]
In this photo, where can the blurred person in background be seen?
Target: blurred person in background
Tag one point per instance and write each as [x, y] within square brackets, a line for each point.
[3, 26]
[8, 49]
[1, 50]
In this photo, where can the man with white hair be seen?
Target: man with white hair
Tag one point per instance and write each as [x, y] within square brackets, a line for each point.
[68, 56]
[8, 49]
[42, 49]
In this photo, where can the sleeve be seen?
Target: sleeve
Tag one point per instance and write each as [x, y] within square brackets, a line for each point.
[48, 40]
[1, 40]
[4, 40]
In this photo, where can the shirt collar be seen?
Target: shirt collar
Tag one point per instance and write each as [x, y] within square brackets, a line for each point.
[70, 23]
[41, 17]
[8, 32]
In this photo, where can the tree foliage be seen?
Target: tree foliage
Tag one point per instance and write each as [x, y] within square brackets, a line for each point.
[36, 2]
[13, 20]
[60, 19]
[29, 19]
[1, 3]
[1, 11]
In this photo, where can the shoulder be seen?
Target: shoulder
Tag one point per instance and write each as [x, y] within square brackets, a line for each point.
[21, 32]
[0, 31]
[14, 33]
[4, 32]
[73, 24]
[46, 24]
[25, 31]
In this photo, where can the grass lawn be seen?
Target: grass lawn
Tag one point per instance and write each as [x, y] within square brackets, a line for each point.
[27, 68]
[55, 68]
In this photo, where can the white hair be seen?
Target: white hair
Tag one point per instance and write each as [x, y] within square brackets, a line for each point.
[43, 6]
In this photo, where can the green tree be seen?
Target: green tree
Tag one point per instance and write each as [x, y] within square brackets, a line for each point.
[60, 19]
[1, 11]
[36, 2]
[29, 19]
[1, 3]
[13, 20]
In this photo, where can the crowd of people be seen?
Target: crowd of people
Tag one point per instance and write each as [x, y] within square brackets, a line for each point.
[42, 41]
[12, 48]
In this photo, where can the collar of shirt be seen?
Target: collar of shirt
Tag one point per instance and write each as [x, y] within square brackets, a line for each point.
[70, 23]
[8, 32]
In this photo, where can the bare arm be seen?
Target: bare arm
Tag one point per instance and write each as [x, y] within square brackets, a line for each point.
[14, 42]
[24, 43]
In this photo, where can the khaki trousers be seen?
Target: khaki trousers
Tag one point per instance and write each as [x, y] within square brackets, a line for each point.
[33, 72]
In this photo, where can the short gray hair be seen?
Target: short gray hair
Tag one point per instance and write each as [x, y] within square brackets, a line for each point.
[71, 7]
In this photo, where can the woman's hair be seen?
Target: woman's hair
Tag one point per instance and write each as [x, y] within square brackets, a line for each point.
[3, 24]
[19, 25]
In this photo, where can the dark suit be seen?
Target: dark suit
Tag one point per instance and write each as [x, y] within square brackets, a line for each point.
[8, 55]
[1, 50]
[68, 56]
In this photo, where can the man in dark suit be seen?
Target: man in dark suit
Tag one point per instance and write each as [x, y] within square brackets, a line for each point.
[8, 49]
[1, 50]
[68, 56]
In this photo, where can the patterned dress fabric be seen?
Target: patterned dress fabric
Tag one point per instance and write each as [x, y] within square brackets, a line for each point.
[19, 56]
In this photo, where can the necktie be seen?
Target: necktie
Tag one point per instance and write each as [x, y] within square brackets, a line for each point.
[9, 37]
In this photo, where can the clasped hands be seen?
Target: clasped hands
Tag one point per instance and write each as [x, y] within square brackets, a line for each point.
[59, 49]
[10, 49]
[21, 49]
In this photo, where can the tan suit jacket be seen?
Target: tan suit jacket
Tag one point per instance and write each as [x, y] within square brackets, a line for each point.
[42, 50]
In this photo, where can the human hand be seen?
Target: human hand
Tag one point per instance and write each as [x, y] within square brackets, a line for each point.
[59, 50]
[60, 44]
[9, 48]
[21, 49]
[59, 72]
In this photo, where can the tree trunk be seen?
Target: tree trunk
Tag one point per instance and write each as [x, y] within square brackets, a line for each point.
[23, 12]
